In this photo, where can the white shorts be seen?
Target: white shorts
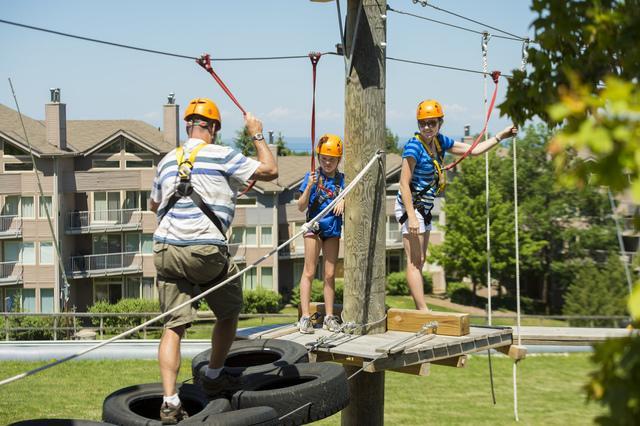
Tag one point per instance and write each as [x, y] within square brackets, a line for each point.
[400, 210]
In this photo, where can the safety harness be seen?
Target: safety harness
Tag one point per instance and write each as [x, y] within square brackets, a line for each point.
[185, 187]
[440, 182]
[323, 194]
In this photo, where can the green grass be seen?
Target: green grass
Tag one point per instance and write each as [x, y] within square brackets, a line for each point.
[549, 391]
[406, 302]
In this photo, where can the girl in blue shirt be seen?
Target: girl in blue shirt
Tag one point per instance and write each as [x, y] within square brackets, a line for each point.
[422, 177]
[317, 191]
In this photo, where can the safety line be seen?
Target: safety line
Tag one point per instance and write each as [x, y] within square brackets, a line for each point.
[314, 57]
[424, 3]
[65, 282]
[445, 67]
[400, 12]
[158, 52]
[304, 229]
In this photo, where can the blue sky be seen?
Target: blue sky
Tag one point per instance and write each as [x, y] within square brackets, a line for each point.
[102, 82]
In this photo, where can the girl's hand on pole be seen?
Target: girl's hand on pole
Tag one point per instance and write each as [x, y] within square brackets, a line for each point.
[507, 132]
[339, 208]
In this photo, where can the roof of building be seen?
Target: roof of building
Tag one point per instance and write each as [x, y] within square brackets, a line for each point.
[82, 135]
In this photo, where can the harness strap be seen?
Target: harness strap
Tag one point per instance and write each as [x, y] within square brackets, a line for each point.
[426, 215]
[314, 57]
[441, 175]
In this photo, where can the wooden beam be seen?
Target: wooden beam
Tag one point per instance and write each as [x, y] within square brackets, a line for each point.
[517, 352]
[457, 362]
[449, 323]
[320, 309]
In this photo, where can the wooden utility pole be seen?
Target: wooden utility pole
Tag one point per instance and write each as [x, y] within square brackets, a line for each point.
[365, 239]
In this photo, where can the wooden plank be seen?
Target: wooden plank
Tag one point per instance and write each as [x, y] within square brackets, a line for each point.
[278, 332]
[394, 348]
[457, 362]
[411, 320]
[320, 308]
[415, 369]
[517, 352]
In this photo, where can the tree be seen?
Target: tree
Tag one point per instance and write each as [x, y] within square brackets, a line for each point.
[391, 142]
[244, 142]
[283, 151]
[585, 65]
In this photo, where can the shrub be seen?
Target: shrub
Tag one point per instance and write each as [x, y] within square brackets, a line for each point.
[317, 294]
[261, 301]
[119, 323]
[459, 293]
[397, 284]
[38, 328]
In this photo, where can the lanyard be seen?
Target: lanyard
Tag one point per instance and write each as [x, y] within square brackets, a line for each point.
[185, 171]
[441, 176]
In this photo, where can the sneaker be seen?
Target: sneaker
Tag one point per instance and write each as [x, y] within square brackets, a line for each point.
[331, 323]
[172, 414]
[305, 326]
[225, 384]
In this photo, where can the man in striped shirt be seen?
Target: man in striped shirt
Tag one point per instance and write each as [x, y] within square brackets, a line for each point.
[194, 195]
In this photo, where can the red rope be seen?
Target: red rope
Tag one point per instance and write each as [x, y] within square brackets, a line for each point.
[495, 75]
[205, 62]
[314, 57]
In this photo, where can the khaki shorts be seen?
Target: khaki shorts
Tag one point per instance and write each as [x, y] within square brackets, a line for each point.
[185, 271]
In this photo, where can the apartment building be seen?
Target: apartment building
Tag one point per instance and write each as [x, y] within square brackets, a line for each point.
[96, 177]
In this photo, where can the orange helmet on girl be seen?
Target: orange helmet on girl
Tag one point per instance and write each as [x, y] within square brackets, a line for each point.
[429, 109]
[329, 145]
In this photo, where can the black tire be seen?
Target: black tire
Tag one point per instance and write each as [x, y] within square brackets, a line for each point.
[59, 422]
[253, 356]
[254, 416]
[139, 405]
[324, 385]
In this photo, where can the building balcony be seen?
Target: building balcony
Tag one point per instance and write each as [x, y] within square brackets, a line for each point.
[292, 251]
[88, 222]
[10, 273]
[104, 265]
[10, 227]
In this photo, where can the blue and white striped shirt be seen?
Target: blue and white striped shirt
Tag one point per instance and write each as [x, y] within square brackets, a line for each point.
[219, 171]
[424, 173]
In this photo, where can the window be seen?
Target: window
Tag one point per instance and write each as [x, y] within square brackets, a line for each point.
[23, 166]
[45, 202]
[46, 253]
[28, 254]
[105, 164]
[145, 196]
[298, 243]
[131, 242]
[13, 299]
[12, 251]
[132, 288]
[266, 277]
[14, 150]
[134, 148]
[147, 243]
[246, 201]
[46, 300]
[137, 200]
[26, 207]
[250, 279]
[107, 289]
[147, 288]
[298, 268]
[394, 229]
[138, 164]
[112, 148]
[106, 206]
[237, 235]
[266, 236]
[11, 205]
[107, 243]
[28, 300]
[250, 238]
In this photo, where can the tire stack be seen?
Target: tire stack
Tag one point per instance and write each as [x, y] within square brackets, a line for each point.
[276, 380]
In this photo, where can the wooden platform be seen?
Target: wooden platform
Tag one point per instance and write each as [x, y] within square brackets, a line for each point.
[572, 336]
[372, 351]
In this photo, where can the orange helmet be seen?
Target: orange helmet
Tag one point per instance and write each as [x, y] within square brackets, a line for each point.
[203, 107]
[429, 109]
[330, 145]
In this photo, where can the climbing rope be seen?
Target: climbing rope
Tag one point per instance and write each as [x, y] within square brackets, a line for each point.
[205, 62]
[495, 75]
[485, 66]
[314, 57]
[523, 66]
[304, 229]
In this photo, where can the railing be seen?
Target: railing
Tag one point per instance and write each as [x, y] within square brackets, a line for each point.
[10, 272]
[98, 220]
[10, 225]
[70, 323]
[102, 264]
